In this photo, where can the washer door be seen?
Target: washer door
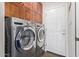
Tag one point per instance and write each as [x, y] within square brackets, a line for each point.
[41, 36]
[24, 39]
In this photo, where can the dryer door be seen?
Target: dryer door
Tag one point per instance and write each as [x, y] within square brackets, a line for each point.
[41, 36]
[24, 40]
[40, 42]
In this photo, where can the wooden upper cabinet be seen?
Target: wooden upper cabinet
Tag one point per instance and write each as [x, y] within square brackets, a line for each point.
[11, 10]
[34, 8]
[39, 7]
[28, 5]
[38, 18]
[31, 11]
[7, 9]
[27, 14]
[14, 10]
[21, 11]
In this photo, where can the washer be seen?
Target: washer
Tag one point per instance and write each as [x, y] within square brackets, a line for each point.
[20, 39]
[40, 43]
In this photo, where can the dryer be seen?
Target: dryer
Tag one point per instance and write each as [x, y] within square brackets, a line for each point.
[40, 43]
[19, 38]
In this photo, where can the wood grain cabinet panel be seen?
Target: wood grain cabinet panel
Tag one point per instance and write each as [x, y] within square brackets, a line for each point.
[38, 18]
[7, 9]
[27, 14]
[34, 8]
[14, 10]
[28, 5]
[34, 17]
[31, 11]
[21, 11]
[31, 15]
[39, 7]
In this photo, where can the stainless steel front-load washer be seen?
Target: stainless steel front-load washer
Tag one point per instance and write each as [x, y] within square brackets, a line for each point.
[40, 43]
[19, 38]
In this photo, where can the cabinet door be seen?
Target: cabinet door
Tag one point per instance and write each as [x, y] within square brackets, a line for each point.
[27, 14]
[38, 18]
[21, 11]
[14, 10]
[28, 5]
[34, 8]
[31, 15]
[7, 9]
[28, 11]
[39, 8]
[38, 13]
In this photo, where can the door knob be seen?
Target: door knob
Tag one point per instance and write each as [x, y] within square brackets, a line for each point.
[63, 33]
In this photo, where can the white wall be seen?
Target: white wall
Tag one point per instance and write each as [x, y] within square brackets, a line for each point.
[71, 31]
[1, 29]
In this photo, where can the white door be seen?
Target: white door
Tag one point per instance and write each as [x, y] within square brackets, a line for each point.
[55, 35]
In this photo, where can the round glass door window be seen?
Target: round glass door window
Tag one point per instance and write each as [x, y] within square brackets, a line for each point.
[27, 38]
[24, 40]
[41, 35]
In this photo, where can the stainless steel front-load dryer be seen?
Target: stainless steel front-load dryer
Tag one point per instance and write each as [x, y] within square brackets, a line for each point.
[40, 43]
[19, 38]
